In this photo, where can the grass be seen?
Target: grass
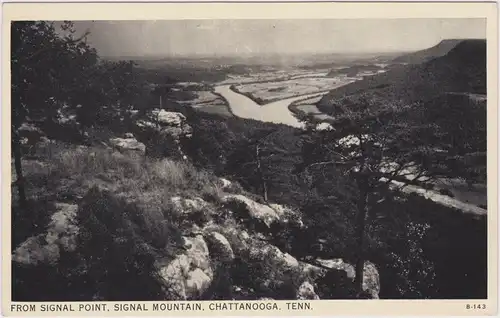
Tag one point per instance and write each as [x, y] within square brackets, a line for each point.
[125, 174]
[126, 220]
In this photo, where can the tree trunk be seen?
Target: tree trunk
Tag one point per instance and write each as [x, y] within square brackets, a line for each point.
[261, 173]
[16, 149]
[264, 184]
[360, 232]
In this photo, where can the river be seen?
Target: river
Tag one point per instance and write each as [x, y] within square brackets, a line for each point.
[276, 112]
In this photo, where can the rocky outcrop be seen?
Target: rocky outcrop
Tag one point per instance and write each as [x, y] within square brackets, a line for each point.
[247, 209]
[61, 235]
[190, 273]
[267, 270]
[225, 183]
[195, 212]
[273, 254]
[187, 206]
[164, 132]
[219, 246]
[209, 255]
[306, 292]
[287, 215]
[166, 118]
[338, 264]
[371, 278]
[128, 145]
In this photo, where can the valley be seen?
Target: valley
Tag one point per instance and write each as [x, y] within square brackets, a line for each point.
[279, 96]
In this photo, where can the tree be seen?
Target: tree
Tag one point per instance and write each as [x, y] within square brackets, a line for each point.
[53, 70]
[108, 88]
[45, 67]
[374, 143]
[254, 161]
[460, 119]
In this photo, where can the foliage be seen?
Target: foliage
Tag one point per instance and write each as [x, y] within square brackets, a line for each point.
[371, 141]
[373, 145]
[427, 250]
[54, 70]
[224, 145]
[46, 67]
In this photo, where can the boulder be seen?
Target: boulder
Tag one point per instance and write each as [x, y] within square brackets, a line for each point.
[165, 130]
[266, 214]
[225, 183]
[255, 210]
[371, 277]
[287, 215]
[174, 132]
[188, 206]
[141, 123]
[35, 250]
[371, 280]
[62, 232]
[167, 118]
[174, 277]
[219, 247]
[239, 240]
[306, 292]
[128, 145]
[324, 126]
[338, 264]
[190, 273]
[272, 254]
[196, 211]
[197, 281]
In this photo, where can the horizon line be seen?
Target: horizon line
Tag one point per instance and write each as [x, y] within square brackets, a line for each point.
[284, 53]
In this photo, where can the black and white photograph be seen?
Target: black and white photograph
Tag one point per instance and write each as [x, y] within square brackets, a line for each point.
[248, 159]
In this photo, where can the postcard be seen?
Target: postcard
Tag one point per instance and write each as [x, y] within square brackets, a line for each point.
[258, 159]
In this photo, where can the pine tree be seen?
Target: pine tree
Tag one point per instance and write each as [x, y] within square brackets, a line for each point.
[373, 143]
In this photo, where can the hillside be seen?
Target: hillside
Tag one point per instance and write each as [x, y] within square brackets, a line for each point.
[145, 223]
[131, 205]
[421, 56]
[463, 69]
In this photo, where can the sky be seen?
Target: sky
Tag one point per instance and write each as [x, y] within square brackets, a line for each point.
[254, 37]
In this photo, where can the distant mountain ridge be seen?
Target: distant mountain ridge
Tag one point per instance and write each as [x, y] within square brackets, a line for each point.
[442, 48]
[462, 69]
